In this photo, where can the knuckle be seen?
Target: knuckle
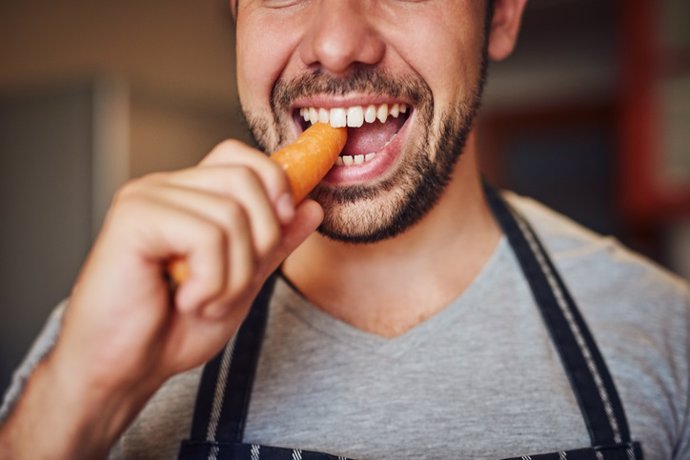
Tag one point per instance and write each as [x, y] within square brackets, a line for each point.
[234, 214]
[129, 197]
[277, 174]
[133, 188]
[271, 239]
[224, 149]
[245, 176]
[211, 235]
[129, 189]
[154, 177]
[229, 144]
[244, 276]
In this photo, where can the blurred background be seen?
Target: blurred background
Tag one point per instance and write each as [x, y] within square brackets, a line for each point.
[591, 116]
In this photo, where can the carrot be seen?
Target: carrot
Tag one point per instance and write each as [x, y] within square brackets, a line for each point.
[305, 162]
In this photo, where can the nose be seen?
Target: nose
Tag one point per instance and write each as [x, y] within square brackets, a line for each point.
[341, 35]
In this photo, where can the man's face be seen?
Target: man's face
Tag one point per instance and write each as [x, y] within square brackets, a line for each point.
[405, 76]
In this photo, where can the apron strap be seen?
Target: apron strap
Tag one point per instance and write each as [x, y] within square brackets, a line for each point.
[584, 365]
[226, 383]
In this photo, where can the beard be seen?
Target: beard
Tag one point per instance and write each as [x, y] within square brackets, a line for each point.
[368, 213]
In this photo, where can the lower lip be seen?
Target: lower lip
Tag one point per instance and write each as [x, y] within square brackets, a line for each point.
[372, 169]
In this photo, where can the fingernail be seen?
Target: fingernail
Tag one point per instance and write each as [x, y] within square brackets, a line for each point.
[285, 208]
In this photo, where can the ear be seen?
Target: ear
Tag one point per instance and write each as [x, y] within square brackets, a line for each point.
[233, 8]
[505, 26]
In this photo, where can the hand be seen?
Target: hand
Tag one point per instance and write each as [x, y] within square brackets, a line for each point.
[232, 219]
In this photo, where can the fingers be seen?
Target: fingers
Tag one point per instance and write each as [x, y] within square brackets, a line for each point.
[220, 238]
[214, 192]
[221, 267]
[231, 219]
[309, 216]
[225, 219]
[232, 152]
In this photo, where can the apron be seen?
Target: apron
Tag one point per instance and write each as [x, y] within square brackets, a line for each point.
[226, 384]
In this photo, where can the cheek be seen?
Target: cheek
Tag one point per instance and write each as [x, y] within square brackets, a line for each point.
[262, 54]
[445, 51]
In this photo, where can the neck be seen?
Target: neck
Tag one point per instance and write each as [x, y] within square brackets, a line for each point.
[388, 287]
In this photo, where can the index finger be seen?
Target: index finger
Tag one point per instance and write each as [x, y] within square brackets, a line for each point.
[272, 176]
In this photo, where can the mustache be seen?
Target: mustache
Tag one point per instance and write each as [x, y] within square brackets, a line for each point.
[361, 80]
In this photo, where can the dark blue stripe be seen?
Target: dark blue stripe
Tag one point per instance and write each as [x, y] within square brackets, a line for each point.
[572, 358]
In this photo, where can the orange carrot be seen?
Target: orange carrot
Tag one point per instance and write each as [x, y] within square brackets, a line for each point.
[305, 162]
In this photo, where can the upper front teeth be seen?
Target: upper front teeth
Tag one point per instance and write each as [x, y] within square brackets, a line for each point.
[352, 117]
[355, 117]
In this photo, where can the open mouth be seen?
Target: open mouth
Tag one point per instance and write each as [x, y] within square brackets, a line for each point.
[371, 128]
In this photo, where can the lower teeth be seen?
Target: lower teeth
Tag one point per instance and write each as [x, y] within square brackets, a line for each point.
[348, 160]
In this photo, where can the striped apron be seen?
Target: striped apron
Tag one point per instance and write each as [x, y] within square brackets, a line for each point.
[226, 383]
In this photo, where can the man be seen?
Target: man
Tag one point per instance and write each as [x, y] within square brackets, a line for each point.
[423, 320]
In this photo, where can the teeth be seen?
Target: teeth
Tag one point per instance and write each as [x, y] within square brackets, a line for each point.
[349, 160]
[313, 115]
[338, 118]
[354, 116]
[382, 113]
[370, 114]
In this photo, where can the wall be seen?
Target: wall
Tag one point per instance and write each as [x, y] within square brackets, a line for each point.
[178, 48]
[45, 204]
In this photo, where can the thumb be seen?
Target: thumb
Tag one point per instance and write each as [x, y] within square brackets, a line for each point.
[308, 217]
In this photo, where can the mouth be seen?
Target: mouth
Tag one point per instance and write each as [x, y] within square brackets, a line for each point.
[373, 141]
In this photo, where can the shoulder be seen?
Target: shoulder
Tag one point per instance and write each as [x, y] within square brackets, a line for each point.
[611, 283]
[598, 264]
[639, 314]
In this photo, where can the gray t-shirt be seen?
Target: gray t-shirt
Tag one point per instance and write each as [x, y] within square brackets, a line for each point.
[480, 379]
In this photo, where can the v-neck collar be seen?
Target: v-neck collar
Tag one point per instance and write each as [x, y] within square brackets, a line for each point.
[287, 296]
